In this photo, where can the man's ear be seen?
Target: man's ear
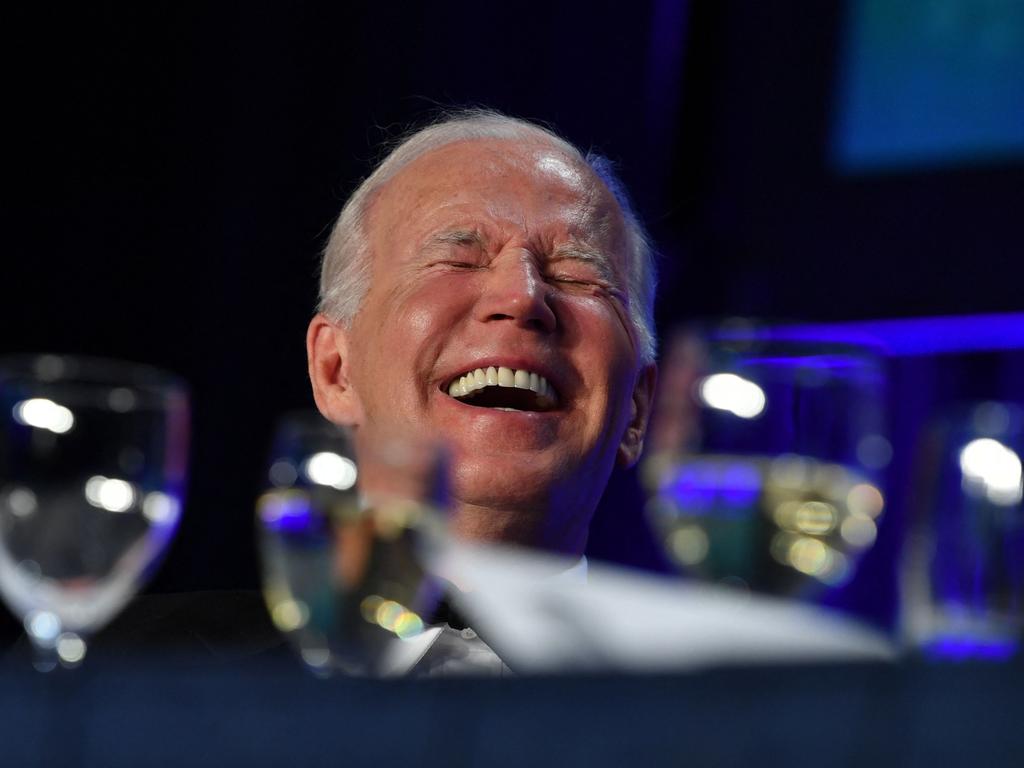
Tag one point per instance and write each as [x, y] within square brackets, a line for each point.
[328, 353]
[643, 397]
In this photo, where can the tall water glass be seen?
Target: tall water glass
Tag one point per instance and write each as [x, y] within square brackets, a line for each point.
[92, 474]
[763, 457]
[963, 574]
[341, 536]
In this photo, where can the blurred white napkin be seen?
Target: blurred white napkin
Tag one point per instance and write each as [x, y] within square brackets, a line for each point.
[625, 620]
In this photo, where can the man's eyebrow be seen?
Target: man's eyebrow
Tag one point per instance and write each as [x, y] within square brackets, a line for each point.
[456, 237]
[584, 253]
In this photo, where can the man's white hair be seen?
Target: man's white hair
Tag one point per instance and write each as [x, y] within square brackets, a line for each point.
[347, 263]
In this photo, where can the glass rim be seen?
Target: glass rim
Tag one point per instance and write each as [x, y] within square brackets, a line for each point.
[758, 332]
[89, 370]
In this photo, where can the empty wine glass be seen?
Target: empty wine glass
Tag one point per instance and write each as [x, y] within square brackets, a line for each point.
[92, 472]
[341, 537]
[762, 458]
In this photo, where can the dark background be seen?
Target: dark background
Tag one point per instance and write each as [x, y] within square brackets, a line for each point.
[171, 172]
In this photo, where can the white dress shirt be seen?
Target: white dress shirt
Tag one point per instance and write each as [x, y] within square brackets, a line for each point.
[443, 651]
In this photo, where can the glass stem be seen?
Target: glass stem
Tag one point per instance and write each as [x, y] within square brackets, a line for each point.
[44, 655]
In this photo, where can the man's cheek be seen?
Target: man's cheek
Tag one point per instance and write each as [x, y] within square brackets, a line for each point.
[420, 321]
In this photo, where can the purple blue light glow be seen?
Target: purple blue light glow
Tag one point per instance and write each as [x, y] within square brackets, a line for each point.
[291, 514]
[965, 648]
[724, 489]
[910, 337]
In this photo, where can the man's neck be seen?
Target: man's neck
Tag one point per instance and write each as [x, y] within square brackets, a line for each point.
[526, 527]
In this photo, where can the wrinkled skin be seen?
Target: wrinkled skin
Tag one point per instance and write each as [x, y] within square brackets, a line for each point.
[491, 252]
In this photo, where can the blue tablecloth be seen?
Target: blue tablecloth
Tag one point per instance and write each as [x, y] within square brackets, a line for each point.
[172, 711]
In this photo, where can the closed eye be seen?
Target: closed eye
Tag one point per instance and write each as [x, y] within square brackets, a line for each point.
[571, 280]
[457, 249]
[588, 286]
[574, 264]
[576, 272]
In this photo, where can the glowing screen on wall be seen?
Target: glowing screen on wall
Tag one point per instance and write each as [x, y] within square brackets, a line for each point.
[930, 83]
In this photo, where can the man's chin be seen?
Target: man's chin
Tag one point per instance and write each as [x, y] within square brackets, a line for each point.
[505, 482]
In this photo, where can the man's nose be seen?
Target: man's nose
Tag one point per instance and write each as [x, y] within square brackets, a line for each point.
[515, 290]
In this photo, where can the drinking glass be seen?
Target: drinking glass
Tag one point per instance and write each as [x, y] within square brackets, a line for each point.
[963, 577]
[762, 458]
[92, 474]
[342, 537]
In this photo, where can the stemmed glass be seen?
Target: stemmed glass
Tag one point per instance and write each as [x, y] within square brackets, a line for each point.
[342, 540]
[763, 456]
[92, 473]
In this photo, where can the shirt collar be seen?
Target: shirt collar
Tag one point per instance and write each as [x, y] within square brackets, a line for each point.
[403, 654]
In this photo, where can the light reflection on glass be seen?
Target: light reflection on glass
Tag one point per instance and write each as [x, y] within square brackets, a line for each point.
[815, 558]
[838, 570]
[859, 531]
[808, 555]
[408, 625]
[388, 613]
[21, 501]
[43, 413]
[161, 509]
[289, 614]
[109, 493]
[689, 544]
[330, 469]
[810, 517]
[991, 470]
[283, 474]
[286, 510]
[729, 392]
[391, 615]
[865, 499]
[44, 626]
[121, 399]
[315, 657]
[70, 648]
[368, 608]
[815, 517]
[874, 451]
[780, 545]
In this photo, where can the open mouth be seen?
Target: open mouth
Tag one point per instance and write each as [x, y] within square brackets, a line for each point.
[505, 389]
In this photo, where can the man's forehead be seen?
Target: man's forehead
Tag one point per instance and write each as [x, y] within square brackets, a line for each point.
[539, 153]
[497, 169]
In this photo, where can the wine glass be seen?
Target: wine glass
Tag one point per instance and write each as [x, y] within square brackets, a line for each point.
[963, 573]
[341, 536]
[92, 473]
[762, 458]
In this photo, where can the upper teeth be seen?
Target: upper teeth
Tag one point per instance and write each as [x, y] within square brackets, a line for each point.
[500, 377]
